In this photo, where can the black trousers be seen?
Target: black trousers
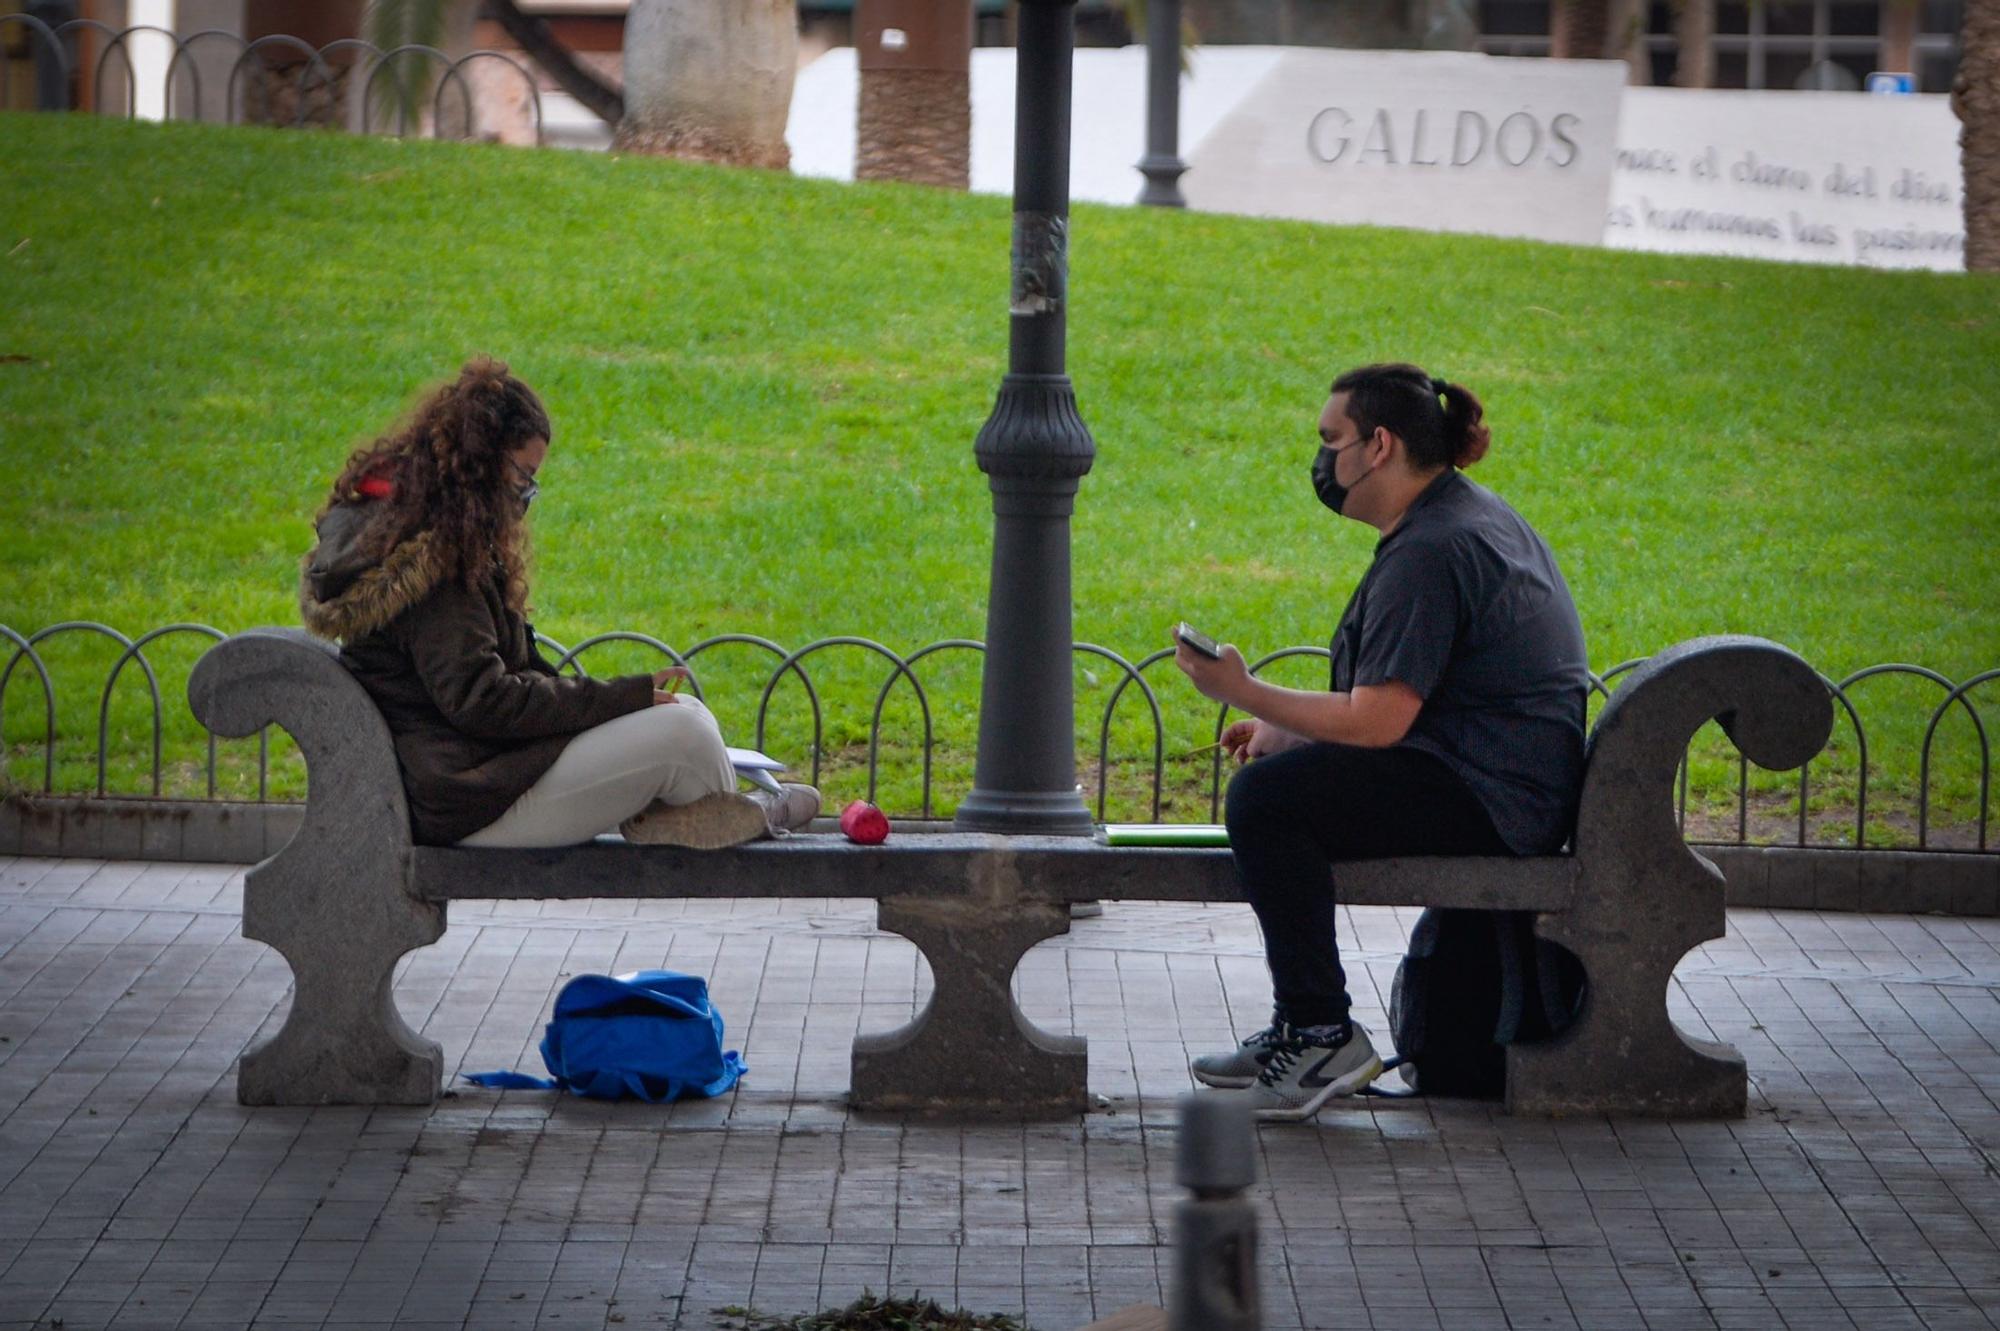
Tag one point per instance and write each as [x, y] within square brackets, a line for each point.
[1292, 815]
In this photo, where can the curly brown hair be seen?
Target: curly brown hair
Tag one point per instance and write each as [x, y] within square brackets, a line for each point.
[448, 474]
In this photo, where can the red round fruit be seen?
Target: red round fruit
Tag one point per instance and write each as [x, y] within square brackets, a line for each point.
[864, 824]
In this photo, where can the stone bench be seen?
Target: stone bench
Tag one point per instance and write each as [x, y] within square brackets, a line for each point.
[350, 894]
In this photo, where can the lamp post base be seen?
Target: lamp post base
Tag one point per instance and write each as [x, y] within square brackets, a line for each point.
[1025, 813]
[1163, 181]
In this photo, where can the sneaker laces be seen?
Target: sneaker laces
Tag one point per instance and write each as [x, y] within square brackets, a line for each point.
[1284, 1052]
[1287, 1047]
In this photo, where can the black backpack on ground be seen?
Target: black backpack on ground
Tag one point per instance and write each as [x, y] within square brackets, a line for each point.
[1472, 983]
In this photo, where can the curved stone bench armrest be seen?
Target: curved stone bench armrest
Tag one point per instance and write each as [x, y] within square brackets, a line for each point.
[336, 901]
[1772, 704]
[288, 678]
[1644, 899]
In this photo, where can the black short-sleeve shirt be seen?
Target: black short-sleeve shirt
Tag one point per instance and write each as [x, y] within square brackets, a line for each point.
[1464, 603]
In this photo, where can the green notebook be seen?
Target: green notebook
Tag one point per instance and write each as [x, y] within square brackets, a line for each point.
[1165, 834]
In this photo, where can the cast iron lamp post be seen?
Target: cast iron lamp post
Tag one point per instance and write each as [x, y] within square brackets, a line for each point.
[1034, 449]
[1162, 164]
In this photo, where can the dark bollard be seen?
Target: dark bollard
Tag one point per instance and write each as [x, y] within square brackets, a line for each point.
[1162, 165]
[1215, 1231]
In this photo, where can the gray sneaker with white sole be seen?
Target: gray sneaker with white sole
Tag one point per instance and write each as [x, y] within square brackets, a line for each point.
[1236, 1068]
[1301, 1076]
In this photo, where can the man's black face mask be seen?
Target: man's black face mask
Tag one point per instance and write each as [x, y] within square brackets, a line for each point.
[1325, 484]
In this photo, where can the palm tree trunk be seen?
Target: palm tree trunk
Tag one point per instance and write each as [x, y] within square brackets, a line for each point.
[1975, 96]
[1578, 29]
[914, 120]
[710, 81]
[1694, 44]
[1625, 39]
[915, 125]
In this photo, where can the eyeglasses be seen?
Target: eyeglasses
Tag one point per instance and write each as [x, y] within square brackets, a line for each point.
[526, 494]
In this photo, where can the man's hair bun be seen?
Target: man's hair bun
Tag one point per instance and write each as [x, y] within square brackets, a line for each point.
[1406, 399]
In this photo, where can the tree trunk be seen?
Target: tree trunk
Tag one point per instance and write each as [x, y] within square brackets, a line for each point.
[1694, 44]
[1976, 98]
[914, 118]
[709, 81]
[1578, 29]
[275, 82]
[1625, 39]
[915, 125]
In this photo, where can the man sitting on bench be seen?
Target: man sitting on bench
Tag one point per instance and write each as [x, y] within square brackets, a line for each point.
[1454, 724]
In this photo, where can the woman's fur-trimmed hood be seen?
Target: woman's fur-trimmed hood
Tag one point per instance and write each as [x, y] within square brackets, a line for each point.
[344, 595]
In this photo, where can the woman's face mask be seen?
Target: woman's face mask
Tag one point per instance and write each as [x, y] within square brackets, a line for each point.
[526, 488]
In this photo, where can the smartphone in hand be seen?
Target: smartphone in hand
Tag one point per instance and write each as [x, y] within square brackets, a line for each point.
[1198, 640]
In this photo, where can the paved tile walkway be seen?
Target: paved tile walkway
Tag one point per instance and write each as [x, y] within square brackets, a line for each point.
[134, 1192]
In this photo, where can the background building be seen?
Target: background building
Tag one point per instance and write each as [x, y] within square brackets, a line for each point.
[1776, 44]
[1829, 45]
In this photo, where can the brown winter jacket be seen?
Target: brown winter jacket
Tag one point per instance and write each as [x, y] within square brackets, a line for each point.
[476, 713]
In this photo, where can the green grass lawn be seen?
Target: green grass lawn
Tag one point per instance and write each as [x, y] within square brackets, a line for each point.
[766, 390]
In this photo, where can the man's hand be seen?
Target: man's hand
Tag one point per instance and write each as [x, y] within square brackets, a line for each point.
[1221, 680]
[1272, 739]
[1369, 716]
[1251, 738]
[1237, 739]
[665, 684]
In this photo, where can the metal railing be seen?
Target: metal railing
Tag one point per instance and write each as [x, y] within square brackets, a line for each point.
[314, 79]
[1141, 728]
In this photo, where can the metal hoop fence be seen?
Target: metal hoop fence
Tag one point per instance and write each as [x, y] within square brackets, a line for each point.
[312, 75]
[1133, 738]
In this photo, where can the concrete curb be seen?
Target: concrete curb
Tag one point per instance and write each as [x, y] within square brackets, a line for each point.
[187, 831]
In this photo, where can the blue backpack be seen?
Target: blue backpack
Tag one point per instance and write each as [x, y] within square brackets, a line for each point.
[652, 1035]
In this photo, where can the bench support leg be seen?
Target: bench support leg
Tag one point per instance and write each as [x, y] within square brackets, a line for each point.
[344, 1042]
[971, 1050]
[1624, 1054]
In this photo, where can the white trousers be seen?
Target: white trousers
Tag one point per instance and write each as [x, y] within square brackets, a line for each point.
[672, 752]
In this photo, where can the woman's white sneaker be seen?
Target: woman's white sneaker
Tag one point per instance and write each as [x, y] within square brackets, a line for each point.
[792, 809]
[709, 823]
